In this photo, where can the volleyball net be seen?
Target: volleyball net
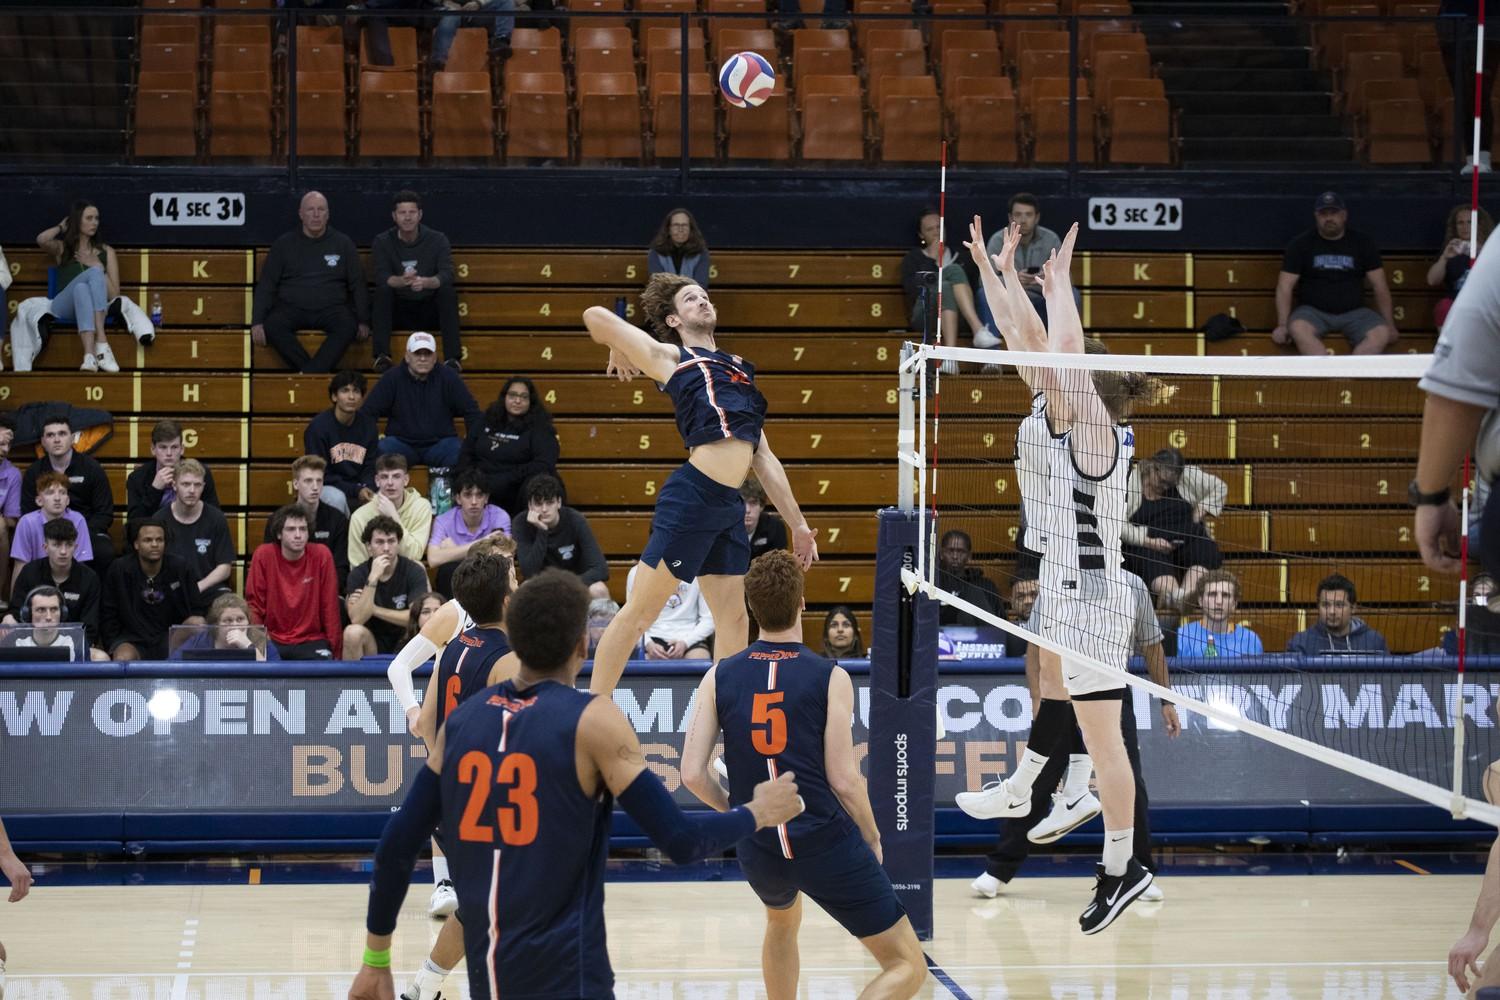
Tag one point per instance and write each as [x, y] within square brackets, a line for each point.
[1264, 515]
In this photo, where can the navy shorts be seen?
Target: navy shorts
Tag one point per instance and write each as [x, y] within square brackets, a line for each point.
[698, 528]
[845, 880]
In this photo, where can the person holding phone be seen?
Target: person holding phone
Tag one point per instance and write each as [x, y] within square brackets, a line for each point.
[1165, 542]
[1451, 269]
[684, 630]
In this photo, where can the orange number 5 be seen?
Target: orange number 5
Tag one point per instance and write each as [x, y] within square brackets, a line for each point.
[518, 823]
[771, 740]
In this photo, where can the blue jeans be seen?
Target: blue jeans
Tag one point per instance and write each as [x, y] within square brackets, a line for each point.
[84, 296]
[447, 27]
[442, 453]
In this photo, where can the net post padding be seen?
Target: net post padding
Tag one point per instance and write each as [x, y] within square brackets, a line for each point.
[903, 718]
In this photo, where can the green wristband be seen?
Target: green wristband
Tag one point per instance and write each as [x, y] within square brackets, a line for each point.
[378, 959]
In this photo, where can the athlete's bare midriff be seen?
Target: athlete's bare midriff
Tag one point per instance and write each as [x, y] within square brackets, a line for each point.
[725, 461]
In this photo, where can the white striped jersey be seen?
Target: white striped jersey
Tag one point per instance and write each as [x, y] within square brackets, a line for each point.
[1083, 559]
[1033, 457]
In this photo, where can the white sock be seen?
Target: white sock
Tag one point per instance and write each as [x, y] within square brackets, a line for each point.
[429, 980]
[1026, 772]
[439, 869]
[1080, 768]
[1118, 846]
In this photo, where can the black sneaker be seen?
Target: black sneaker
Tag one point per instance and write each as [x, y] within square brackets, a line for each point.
[382, 364]
[1112, 893]
[455, 364]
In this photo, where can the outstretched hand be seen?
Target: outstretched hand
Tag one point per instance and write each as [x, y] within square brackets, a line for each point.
[620, 367]
[1006, 259]
[975, 245]
[805, 545]
[1064, 253]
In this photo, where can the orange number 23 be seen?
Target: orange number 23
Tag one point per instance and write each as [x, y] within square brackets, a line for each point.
[517, 818]
[763, 712]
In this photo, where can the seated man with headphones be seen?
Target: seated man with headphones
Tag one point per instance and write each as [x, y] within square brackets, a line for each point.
[75, 581]
[42, 610]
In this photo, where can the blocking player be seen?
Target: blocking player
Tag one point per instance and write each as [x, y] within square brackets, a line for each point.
[20, 884]
[524, 774]
[782, 707]
[698, 530]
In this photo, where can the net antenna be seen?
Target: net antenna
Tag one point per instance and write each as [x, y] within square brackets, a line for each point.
[1266, 409]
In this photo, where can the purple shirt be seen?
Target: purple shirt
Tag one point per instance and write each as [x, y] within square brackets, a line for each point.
[29, 543]
[451, 526]
[10, 489]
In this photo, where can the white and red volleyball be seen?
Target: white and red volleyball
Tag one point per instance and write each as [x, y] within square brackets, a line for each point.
[746, 79]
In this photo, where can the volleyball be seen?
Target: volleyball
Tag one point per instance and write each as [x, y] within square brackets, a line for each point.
[746, 79]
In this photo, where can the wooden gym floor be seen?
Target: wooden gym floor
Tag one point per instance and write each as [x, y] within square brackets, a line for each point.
[1338, 937]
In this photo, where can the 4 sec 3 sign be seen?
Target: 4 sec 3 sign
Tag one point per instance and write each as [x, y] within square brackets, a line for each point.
[198, 208]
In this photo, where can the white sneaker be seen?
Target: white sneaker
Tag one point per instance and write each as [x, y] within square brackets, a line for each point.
[444, 900]
[986, 885]
[1064, 818]
[993, 801]
[1152, 893]
[950, 367]
[90, 364]
[107, 362]
[985, 338]
[1485, 165]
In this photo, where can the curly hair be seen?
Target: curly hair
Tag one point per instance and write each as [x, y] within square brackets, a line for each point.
[547, 620]
[662, 241]
[773, 588]
[659, 300]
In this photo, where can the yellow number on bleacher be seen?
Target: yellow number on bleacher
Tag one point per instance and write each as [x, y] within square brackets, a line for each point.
[4, 392]
[651, 487]
[876, 271]
[890, 396]
[546, 270]
[93, 393]
[546, 309]
[797, 353]
[1424, 584]
[546, 354]
[976, 395]
[630, 310]
[844, 582]
[1398, 313]
[823, 485]
[463, 309]
[1312, 534]
[1403, 533]
[881, 354]
[989, 440]
[713, 270]
[1397, 276]
[551, 396]
[1229, 277]
[463, 270]
[193, 347]
[1364, 440]
[289, 490]
[1292, 486]
[1346, 397]
[833, 535]
[806, 396]
[463, 354]
[1382, 487]
[1011, 531]
[637, 398]
[645, 441]
[630, 271]
[792, 270]
[791, 309]
[1276, 441]
[1178, 438]
[1001, 485]
[817, 439]
[875, 310]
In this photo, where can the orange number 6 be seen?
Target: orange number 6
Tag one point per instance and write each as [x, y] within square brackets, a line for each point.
[450, 694]
[772, 740]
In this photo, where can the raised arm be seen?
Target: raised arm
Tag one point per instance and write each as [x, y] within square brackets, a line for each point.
[1464, 957]
[1017, 322]
[649, 355]
[772, 476]
[702, 734]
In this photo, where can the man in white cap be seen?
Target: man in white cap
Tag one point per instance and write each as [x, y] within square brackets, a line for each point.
[421, 398]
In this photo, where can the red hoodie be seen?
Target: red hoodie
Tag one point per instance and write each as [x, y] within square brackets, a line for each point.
[296, 601]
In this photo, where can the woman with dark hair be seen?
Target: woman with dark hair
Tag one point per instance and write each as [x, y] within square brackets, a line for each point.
[841, 638]
[678, 248]
[88, 277]
[422, 609]
[513, 442]
[1451, 269]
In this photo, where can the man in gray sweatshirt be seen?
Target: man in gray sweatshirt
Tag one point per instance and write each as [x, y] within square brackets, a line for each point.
[1338, 630]
[311, 279]
[413, 282]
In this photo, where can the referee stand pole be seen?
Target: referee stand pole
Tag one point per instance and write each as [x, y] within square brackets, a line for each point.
[903, 717]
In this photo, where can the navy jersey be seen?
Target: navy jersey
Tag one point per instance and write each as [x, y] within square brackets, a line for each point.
[526, 846]
[464, 666]
[773, 708]
[714, 395]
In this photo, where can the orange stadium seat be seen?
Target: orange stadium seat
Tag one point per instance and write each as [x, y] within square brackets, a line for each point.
[1041, 64]
[239, 114]
[1397, 132]
[604, 61]
[666, 115]
[1116, 41]
[529, 60]
[470, 52]
[1129, 86]
[729, 40]
[813, 61]
[166, 115]
[832, 118]
[863, 28]
[910, 124]
[231, 58]
[762, 133]
[609, 116]
[1050, 130]
[883, 36]
[884, 63]
[389, 118]
[403, 52]
[322, 114]
[1140, 131]
[540, 38]
[819, 38]
[463, 118]
[1035, 88]
[169, 58]
[966, 16]
[1112, 63]
[1013, 26]
[536, 116]
[667, 7]
[959, 63]
[320, 50]
[985, 121]
[1362, 67]
[159, 30]
[716, 25]
[603, 6]
[587, 36]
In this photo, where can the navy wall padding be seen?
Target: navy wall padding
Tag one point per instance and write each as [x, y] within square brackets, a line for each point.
[255, 826]
[65, 827]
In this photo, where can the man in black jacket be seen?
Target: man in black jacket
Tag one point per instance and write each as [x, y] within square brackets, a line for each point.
[552, 536]
[146, 594]
[311, 278]
[421, 398]
[956, 576]
[89, 492]
[413, 282]
[347, 440]
[151, 486]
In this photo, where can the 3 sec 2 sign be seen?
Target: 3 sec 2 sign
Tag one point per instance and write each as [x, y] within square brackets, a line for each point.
[198, 208]
[1163, 214]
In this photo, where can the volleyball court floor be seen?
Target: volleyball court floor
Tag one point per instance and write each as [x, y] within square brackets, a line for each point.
[1231, 934]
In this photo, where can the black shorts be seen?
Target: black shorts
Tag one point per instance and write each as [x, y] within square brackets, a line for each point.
[845, 880]
[698, 528]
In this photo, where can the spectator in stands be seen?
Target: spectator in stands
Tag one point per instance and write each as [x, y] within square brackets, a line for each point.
[347, 439]
[447, 30]
[1325, 269]
[42, 609]
[382, 591]
[229, 623]
[958, 297]
[1025, 586]
[1216, 633]
[292, 590]
[1451, 269]
[1036, 246]
[1482, 629]
[1339, 630]
[423, 609]
[326, 526]
[10, 496]
[956, 576]
[88, 276]
[146, 594]
[52, 499]
[841, 638]
[89, 492]
[1165, 542]
[311, 279]
[473, 517]
[78, 584]
[198, 533]
[602, 611]
[513, 442]
[150, 487]
[684, 630]
[395, 498]
[414, 287]
[421, 398]
[678, 248]
[766, 530]
[552, 535]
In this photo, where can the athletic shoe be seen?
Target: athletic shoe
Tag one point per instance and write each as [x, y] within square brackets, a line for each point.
[986, 885]
[1064, 818]
[455, 364]
[444, 900]
[90, 364]
[413, 993]
[984, 338]
[1112, 893]
[382, 364]
[994, 801]
[1152, 893]
[107, 362]
[950, 367]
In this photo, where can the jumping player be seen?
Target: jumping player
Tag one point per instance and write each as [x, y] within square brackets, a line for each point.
[698, 530]
[479, 657]
[20, 884]
[524, 774]
[781, 706]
